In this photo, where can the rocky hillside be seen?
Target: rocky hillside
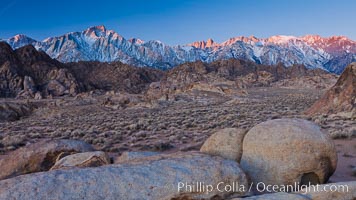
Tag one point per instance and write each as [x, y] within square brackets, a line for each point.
[113, 76]
[341, 98]
[99, 44]
[233, 69]
[226, 75]
[28, 73]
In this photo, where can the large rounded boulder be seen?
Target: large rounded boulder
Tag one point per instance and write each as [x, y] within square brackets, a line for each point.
[288, 152]
[37, 157]
[226, 143]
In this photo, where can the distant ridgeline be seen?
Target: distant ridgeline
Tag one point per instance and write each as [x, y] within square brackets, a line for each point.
[99, 44]
[29, 73]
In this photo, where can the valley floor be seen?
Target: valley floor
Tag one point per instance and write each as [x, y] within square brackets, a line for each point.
[168, 126]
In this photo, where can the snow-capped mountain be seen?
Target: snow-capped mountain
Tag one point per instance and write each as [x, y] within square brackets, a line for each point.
[99, 44]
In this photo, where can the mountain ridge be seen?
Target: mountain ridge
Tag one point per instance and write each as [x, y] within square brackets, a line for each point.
[29, 73]
[99, 44]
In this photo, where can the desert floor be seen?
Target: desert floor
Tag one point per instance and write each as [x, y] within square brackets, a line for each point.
[167, 126]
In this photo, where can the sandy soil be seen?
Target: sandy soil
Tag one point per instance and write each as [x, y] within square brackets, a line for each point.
[346, 151]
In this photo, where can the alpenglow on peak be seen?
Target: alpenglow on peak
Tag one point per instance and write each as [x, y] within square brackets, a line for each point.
[99, 44]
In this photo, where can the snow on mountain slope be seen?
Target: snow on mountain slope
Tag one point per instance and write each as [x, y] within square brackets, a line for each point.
[99, 44]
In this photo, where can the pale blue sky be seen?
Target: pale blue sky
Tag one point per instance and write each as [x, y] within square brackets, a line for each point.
[180, 21]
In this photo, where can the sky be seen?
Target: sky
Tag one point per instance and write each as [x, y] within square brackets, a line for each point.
[180, 21]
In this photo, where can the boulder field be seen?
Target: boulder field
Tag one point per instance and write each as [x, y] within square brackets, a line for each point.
[276, 152]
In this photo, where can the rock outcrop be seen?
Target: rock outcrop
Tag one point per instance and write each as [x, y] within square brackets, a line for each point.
[224, 76]
[226, 143]
[156, 177]
[38, 157]
[14, 111]
[26, 71]
[82, 160]
[29, 88]
[321, 82]
[10, 80]
[288, 152]
[113, 76]
[62, 82]
[341, 98]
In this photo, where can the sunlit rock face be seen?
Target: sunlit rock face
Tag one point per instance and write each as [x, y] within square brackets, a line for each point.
[340, 99]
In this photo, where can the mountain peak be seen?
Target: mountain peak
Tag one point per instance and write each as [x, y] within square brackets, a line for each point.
[204, 44]
[96, 31]
[311, 38]
[19, 37]
[279, 39]
[20, 40]
[98, 43]
[210, 43]
[99, 28]
[136, 41]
